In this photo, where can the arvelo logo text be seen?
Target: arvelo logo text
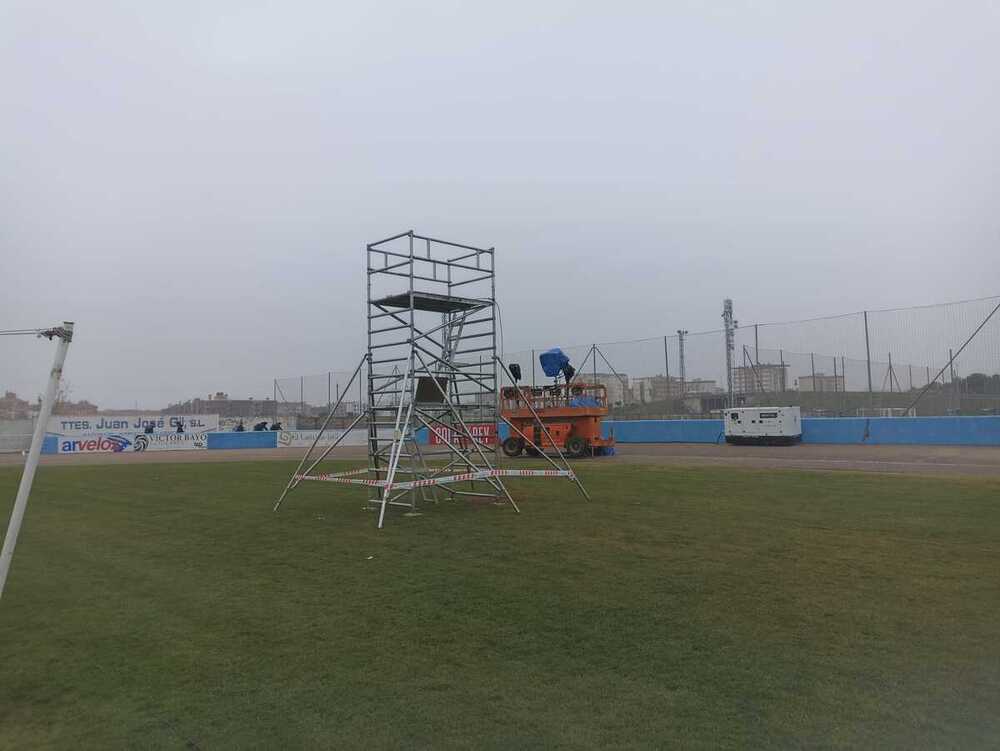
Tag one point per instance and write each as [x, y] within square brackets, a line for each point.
[113, 443]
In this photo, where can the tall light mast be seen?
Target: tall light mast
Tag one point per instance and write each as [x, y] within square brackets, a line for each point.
[730, 326]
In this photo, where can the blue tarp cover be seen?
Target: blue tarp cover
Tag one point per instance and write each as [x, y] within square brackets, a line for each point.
[552, 361]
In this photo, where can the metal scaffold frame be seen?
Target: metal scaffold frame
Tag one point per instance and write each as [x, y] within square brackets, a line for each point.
[432, 368]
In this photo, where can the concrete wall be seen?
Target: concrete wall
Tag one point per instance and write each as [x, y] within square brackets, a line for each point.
[664, 431]
[252, 439]
[943, 431]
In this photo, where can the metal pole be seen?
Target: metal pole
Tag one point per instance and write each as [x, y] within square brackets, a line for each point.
[329, 390]
[532, 368]
[302, 394]
[952, 358]
[756, 345]
[65, 335]
[911, 376]
[593, 351]
[812, 362]
[730, 324]
[951, 373]
[868, 357]
[295, 479]
[494, 312]
[891, 374]
[666, 364]
[843, 377]
[781, 361]
[545, 432]
[836, 387]
[681, 333]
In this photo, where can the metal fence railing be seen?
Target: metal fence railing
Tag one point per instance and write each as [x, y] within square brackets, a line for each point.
[927, 360]
[15, 435]
[865, 363]
[877, 362]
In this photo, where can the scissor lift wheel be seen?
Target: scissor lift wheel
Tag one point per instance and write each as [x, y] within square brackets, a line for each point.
[576, 446]
[513, 446]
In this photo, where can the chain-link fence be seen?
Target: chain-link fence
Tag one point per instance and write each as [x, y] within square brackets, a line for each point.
[884, 362]
[928, 360]
[866, 363]
[306, 400]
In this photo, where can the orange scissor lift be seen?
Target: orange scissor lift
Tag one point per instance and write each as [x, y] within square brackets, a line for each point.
[572, 415]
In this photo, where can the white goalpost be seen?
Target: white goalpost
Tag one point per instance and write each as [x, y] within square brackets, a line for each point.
[64, 335]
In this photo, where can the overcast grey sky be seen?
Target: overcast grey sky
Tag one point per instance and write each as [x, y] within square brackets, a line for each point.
[193, 183]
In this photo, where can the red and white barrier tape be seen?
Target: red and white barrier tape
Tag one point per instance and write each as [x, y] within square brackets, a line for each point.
[482, 474]
[343, 480]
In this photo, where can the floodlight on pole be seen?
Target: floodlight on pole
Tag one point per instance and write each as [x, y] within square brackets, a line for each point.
[64, 335]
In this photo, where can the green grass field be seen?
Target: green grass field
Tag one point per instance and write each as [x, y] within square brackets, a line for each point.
[165, 606]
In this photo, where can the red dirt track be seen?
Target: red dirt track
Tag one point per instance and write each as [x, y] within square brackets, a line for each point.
[978, 461]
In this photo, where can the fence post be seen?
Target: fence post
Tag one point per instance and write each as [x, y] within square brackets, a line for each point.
[681, 333]
[836, 388]
[956, 400]
[843, 377]
[666, 363]
[868, 359]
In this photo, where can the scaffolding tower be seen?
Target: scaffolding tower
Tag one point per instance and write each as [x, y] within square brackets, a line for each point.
[433, 377]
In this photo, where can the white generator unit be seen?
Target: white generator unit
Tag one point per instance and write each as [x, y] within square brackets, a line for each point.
[766, 425]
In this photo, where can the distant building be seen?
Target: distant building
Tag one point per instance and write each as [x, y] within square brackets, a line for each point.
[700, 386]
[646, 389]
[705, 404]
[618, 388]
[762, 377]
[82, 407]
[13, 408]
[641, 390]
[226, 407]
[821, 382]
[659, 388]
